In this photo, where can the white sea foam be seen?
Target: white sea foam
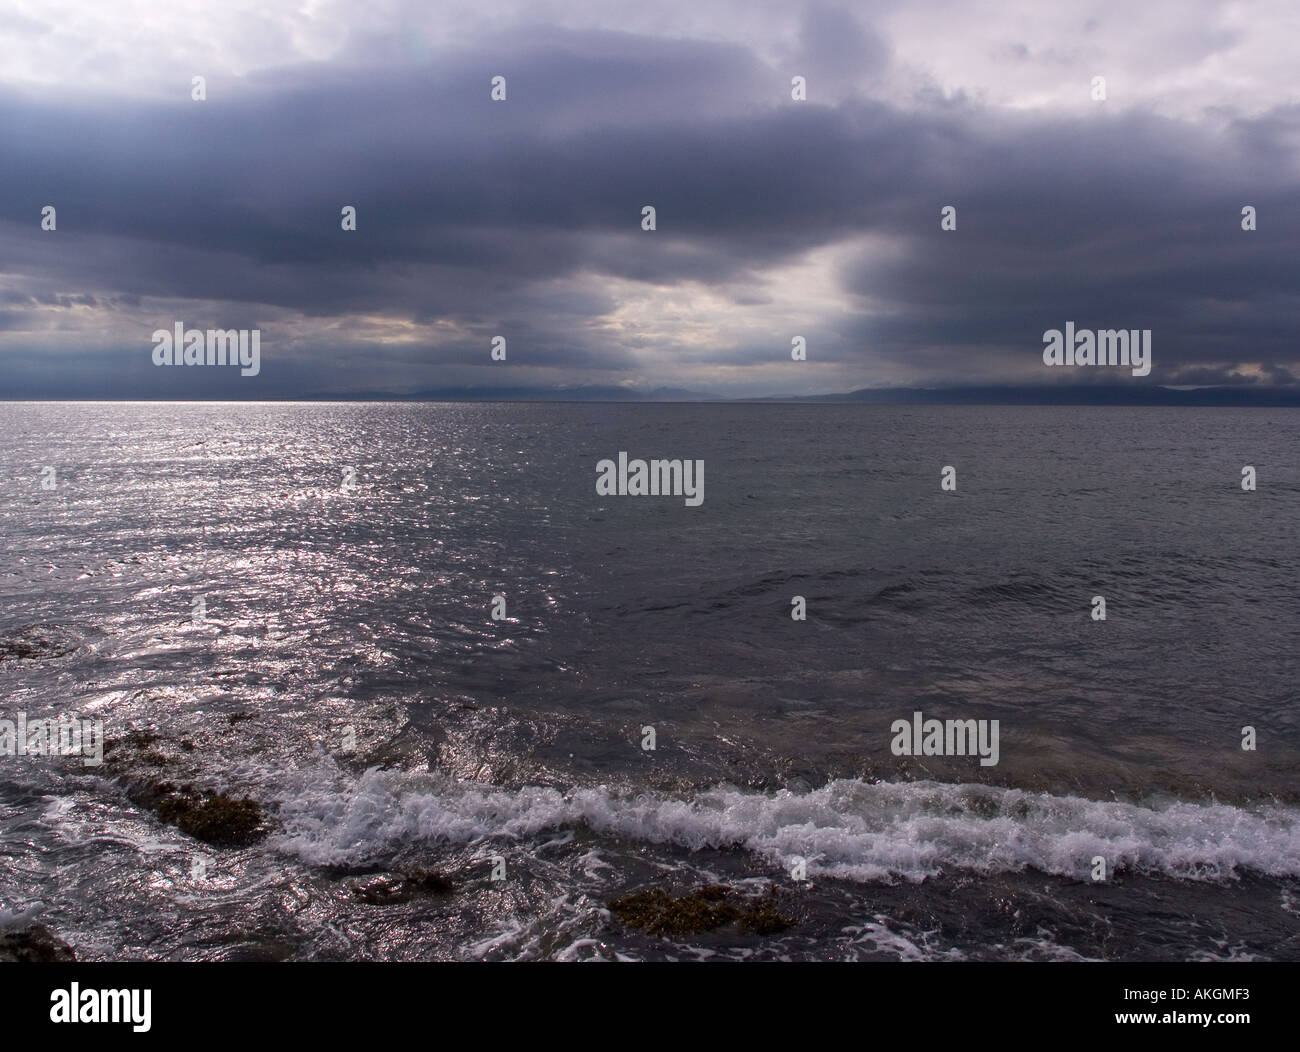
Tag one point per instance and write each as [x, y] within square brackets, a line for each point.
[12, 920]
[849, 829]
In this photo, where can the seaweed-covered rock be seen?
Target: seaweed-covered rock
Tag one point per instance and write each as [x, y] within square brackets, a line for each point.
[132, 744]
[214, 818]
[403, 887]
[707, 907]
[36, 642]
[36, 944]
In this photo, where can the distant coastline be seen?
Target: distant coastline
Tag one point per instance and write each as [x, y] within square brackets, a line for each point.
[1252, 396]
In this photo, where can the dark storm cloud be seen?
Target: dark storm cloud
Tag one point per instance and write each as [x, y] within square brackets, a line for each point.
[1137, 224]
[510, 218]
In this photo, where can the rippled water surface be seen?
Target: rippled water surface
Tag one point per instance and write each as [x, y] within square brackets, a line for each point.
[348, 676]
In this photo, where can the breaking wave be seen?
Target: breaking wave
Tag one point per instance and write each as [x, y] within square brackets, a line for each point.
[848, 829]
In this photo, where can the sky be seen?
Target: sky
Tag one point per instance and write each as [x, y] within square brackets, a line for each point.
[522, 218]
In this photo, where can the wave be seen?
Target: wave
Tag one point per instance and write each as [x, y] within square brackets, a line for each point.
[849, 829]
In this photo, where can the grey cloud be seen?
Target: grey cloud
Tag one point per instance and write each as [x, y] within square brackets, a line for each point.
[514, 217]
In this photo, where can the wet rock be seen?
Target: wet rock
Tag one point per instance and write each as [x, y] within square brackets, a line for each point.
[141, 739]
[36, 642]
[215, 818]
[153, 758]
[403, 887]
[135, 740]
[706, 908]
[35, 943]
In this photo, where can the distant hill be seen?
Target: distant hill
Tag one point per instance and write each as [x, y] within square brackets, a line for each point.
[1079, 394]
[1082, 394]
[536, 394]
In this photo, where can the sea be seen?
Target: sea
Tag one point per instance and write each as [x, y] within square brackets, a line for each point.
[420, 640]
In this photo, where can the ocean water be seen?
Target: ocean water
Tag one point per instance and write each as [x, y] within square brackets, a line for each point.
[348, 675]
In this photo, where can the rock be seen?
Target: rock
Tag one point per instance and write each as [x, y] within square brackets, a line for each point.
[710, 906]
[403, 887]
[36, 944]
[36, 641]
[214, 818]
